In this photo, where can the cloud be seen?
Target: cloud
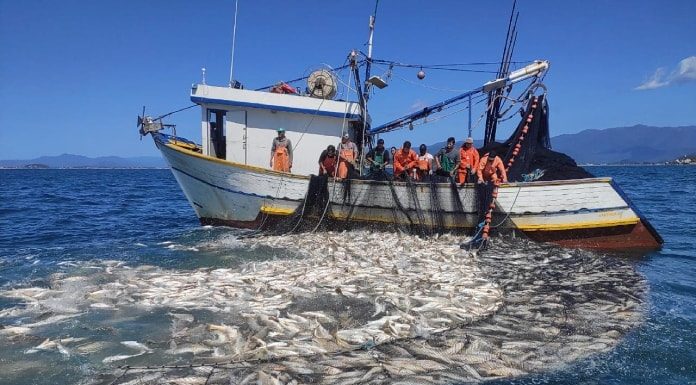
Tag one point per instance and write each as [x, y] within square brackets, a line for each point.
[685, 72]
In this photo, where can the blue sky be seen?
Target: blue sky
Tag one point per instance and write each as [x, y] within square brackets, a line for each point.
[75, 74]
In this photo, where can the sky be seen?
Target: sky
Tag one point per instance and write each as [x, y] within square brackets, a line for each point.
[74, 75]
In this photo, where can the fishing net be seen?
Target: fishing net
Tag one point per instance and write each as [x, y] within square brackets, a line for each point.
[535, 157]
[436, 204]
[422, 208]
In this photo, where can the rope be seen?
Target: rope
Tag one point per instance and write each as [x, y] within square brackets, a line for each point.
[511, 207]
[445, 67]
[333, 191]
[300, 78]
[416, 204]
[265, 216]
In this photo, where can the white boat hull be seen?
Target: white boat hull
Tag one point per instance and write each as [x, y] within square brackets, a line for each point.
[580, 213]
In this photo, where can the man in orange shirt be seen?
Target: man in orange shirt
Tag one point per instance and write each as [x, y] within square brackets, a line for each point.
[469, 161]
[405, 160]
[491, 169]
[281, 152]
[347, 154]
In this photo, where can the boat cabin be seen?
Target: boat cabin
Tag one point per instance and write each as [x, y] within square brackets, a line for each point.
[239, 125]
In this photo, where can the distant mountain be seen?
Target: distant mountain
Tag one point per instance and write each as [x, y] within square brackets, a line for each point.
[635, 144]
[79, 161]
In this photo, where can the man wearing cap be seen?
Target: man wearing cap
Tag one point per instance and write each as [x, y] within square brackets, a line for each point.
[327, 161]
[347, 153]
[491, 169]
[469, 161]
[378, 158]
[281, 152]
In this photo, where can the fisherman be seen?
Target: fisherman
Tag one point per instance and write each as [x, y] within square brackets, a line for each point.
[425, 163]
[491, 169]
[281, 152]
[347, 154]
[469, 162]
[447, 159]
[405, 161]
[378, 158]
[327, 161]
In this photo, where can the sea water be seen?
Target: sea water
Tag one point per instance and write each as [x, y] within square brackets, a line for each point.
[65, 230]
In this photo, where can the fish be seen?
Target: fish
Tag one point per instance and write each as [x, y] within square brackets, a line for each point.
[137, 346]
[120, 357]
[417, 302]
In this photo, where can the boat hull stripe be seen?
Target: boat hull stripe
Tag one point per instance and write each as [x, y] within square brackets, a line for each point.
[236, 103]
[230, 190]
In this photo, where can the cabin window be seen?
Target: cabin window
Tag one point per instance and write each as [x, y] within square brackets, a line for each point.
[217, 135]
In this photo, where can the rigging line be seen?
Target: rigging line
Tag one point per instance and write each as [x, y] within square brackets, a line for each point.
[422, 85]
[174, 112]
[436, 68]
[348, 87]
[304, 203]
[479, 99]
[333, 190]
[310, 123]
[302, 78]
[450, 69]
[317, 111]
[398, 64]
[511, 207]
[444, 116]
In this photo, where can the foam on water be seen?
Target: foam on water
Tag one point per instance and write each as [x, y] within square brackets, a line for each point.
[366, 305]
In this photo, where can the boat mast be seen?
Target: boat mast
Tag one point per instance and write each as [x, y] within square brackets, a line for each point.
[234, 39]
[494, 100]
[364, 93]
[368, 63]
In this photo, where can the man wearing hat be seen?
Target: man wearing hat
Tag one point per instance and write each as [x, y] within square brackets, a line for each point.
[347, 154]
[378, 158]
[281, 152]
[469, 160]
[491, 169]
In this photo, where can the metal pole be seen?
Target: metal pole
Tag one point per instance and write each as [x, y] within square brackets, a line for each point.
[470, 116]
[234, 39]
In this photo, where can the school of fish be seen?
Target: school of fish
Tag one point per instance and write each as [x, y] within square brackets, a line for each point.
[337, 308]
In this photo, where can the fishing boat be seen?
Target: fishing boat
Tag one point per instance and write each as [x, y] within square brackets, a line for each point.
[227, 179]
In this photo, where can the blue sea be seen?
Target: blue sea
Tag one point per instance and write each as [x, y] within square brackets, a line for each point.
[54, 221]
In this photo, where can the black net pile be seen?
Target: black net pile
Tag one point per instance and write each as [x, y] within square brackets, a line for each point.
[535, 155]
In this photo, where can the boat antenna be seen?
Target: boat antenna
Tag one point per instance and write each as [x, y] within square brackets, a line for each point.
[234, 39]
[494, 97]
[368, 62]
